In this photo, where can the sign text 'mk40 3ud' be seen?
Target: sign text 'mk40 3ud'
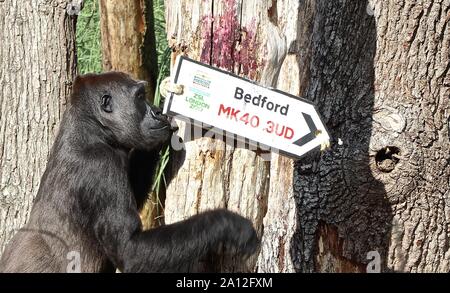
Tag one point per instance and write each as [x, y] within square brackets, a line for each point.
[235, 105]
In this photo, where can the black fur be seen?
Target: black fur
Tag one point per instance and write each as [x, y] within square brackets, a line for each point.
[98, 171]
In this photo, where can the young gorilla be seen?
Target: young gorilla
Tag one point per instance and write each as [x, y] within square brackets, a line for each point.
[86, 201]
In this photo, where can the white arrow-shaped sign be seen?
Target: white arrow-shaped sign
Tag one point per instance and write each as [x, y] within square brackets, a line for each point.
[235, 105]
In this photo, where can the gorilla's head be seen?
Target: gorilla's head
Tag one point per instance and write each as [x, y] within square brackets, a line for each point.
[117, 103]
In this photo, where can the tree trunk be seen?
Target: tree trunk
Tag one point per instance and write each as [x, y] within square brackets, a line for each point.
[378, 200]
[37, 54]
[379, 74]
[238, 36]
[128, 40]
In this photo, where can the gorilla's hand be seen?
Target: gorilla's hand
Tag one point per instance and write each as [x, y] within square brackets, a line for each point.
[234, 232]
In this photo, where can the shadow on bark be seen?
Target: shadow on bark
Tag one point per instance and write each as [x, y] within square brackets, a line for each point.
[344, 217]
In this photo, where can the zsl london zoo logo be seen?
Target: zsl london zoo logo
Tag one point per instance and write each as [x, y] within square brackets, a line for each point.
[197, 99]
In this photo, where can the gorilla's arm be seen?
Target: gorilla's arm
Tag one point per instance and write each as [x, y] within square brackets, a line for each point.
[180, 246]
[170, 248]
[141, 169]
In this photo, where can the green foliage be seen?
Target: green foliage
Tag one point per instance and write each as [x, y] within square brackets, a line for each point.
[161, 39]
[159, 180]
[88, 39]
[163, 52]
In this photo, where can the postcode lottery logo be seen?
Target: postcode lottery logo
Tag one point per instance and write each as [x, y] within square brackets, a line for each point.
[199, 89]
[202, 79]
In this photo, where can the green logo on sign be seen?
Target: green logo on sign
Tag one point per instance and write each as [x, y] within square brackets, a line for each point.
[197, 100]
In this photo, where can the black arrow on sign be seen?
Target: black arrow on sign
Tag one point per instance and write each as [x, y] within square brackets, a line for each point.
[312, 131]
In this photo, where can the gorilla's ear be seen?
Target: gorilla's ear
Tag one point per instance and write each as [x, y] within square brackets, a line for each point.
[107, 103]
[77, 86]
[82, 84]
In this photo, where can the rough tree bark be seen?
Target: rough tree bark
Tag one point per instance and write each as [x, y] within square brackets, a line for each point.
[37, 66]
[128, 41]
[379, 73]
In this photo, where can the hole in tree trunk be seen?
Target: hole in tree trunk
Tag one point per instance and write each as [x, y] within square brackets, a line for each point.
[387, 158]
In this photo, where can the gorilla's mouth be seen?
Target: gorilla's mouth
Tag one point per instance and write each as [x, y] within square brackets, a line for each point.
[172, 128]
[160, 128]
[164, 124]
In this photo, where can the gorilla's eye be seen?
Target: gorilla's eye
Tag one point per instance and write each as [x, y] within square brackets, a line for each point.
[140, 95]
[106, 103]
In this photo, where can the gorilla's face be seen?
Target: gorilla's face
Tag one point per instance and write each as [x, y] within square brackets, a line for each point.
[121, 107]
